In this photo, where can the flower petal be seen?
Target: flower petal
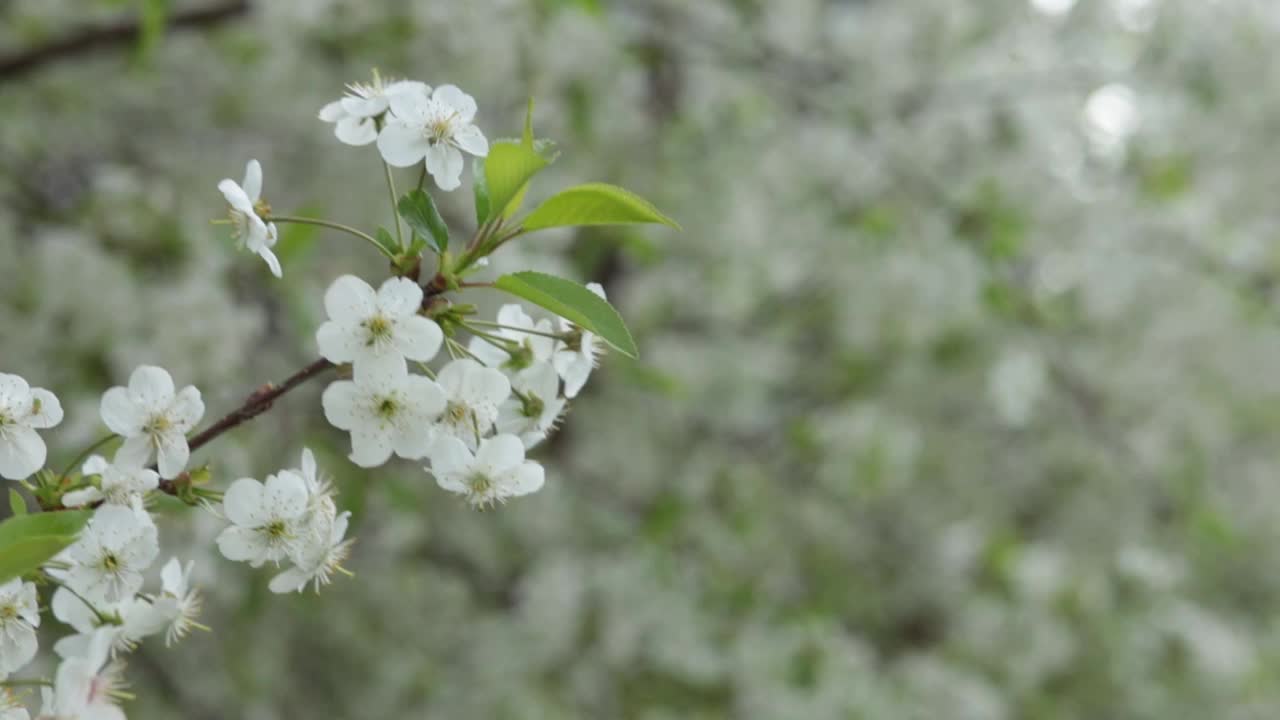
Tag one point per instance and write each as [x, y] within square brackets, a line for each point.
[134, 452]
[252, 184]
[529, 477]
[187, 408]
[444, 162]
[399, 297]
[332, 112]
[470, 139]
[242, 502]
[273, 262]
[356, 131]
[339, 342]
[172, 454]
[369, 449]
[236, 196]
[151, 388]
[418, 338]
[22, 452]
[50, 412]
[341, 403]
[501, 452]
[453, 97]
[350, 300]
[403, 145]
[450, 456]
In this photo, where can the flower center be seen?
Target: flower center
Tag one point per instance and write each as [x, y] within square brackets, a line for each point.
[480, 483]
[157, 425]
[441, 128]
[386, 407]
[110, 562]
[8, 612]
[276, 529]
[379, 329]
[455, 413]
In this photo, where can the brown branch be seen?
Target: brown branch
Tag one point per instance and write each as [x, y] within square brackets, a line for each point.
[258, 402]
[110, 35]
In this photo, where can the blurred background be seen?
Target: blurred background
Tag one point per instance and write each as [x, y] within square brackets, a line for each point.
[958, 392]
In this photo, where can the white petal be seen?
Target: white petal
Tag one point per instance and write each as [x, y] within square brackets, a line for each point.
[453, 376]
[488, 353]
[291, 580]
[418, 338]
[242, 502]
[575, 375]
[22, 453]
[515, 316]
[408, 107]
[527, 478]
[134, 452]
[426, 398]
[399, 297]
[444, 162]
[598, 289]
[486, 386]
[273, 262]
[309, 469]
[120, 413]
[450, 456]
[364, 107]
[470, 139]
[332, 112]
[340, 342]
[172, 454]
[80, 498]
[14, 391]
[453, 97]
[236, 196]
[370, 449]
[241, 544]
[356, 131]
[501, 452]
[252, 184]
[285, 495]
[350, 300]
[402, 145]
[372, 365]
[413, 443]
[50, 413]
[187, 408]
[341, 401]
[151, 387]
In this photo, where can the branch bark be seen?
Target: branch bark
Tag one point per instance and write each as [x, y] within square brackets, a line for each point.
[105, 36]
[258, 402]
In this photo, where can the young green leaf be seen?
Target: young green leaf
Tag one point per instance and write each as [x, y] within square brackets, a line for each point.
[480, 189]
[572, 302]
[388, 243]
[17, 505]
[419, 210]
[507, 171]
[29, 541]
[26, 555]
[595, 204]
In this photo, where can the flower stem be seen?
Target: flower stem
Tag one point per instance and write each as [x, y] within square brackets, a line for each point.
[395, 210]
[488, 323]
[333, 226]
[84, 454]
[25, 683]
[102, 617]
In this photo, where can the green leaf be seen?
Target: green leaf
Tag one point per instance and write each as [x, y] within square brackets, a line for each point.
[17, 505]
[507, 171]
[29, 541]
[388, 243]
[27, 555]
[419, 210]
[572, 302]
[480, 189]
[64, 522]
[595, 204]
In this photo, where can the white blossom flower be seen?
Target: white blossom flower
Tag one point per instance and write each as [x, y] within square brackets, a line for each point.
[10, 707]
[376, 332]
[178, 605]
[248, 227]
[535, 405]
[23, 410]
[318, 557]
[111, 554]
[576, 357]
[118, 484]
[354, 115]
[528, 347]
[473, 393]
[496, 471]
[137, 616]
[385, 414]
[19, 618]
[435, 127]
[320, 491]
[267, 519]
[151, 416]
[86, 685]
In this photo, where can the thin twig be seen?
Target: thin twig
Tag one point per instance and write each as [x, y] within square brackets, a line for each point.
[111, 35]
[258, 402]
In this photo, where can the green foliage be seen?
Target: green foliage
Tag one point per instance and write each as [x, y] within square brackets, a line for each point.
[17, 505]
[480, 190]
[507, 172]
[595, 204]
[386, 241]
[419, 210]
[29, 541]
[573, 302]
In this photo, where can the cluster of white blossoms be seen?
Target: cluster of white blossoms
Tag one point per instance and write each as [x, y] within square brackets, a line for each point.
[493, 400]
[411, 123]
[472, 416]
